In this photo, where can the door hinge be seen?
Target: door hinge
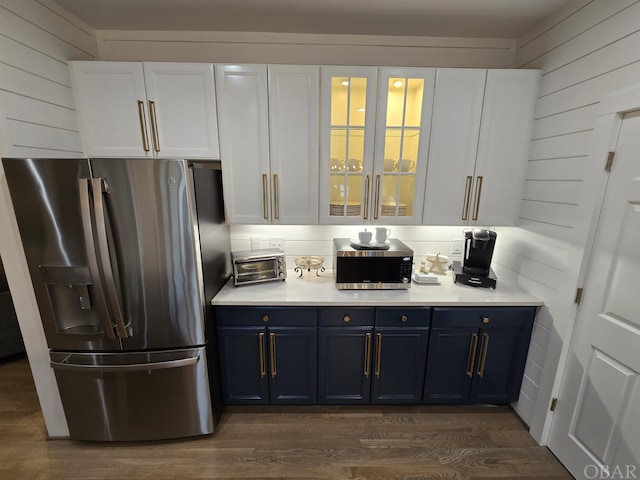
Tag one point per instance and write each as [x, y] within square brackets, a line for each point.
[554, 404]
[610, 158]
[578, 298]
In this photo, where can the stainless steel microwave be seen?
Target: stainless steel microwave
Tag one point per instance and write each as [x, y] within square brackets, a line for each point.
[356, 268]
[255, 266]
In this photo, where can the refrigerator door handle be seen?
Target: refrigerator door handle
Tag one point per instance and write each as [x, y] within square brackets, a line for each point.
[99, 187]
[134, 367]
[100, 300]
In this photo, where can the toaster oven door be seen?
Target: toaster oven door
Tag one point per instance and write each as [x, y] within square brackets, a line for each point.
[253, 271]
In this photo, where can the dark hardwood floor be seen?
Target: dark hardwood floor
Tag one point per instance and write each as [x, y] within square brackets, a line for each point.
[465, 443]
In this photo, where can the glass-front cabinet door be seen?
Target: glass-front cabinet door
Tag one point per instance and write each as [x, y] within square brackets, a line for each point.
[381, 181]
[346, 151]
[402, 143]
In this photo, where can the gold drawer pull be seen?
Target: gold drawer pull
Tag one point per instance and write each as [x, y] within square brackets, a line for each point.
[404, 318]
[483, 359]
[263, 370]
[347, 319]
[272, 345]
[472, 354]
[367, 355]
[265, 318]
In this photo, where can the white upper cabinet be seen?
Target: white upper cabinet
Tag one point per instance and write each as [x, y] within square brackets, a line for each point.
[457, 110]
[294, 109]
[129, 109]
[405, 101]
[363, 180]
[480, 138]
[503, 148]
[244, 149]
[348, 114]
[269, 148]
[182, 108]
[111, 107]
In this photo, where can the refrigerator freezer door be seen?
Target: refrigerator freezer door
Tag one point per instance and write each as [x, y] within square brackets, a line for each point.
[151, 226]
[54, 214]
[134, 396]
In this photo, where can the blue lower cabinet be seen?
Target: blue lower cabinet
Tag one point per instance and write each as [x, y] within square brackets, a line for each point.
[266, 357]
[243, 367]
[345, 351]
[400, 353]
[292, 365]
[477, 355]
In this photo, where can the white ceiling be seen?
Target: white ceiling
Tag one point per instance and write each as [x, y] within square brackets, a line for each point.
[451, 18]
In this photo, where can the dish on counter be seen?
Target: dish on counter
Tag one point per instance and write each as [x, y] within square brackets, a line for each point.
[357, 244]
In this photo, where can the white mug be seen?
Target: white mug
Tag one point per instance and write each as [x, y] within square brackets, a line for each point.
[365, 237]
[382, 234]
[406, 165]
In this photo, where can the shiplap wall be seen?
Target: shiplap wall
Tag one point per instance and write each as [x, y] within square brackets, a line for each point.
[37, 119]
[304, 49]
[585, 51]
[37, 38]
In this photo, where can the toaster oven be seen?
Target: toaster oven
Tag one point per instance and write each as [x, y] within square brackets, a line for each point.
[256, 266]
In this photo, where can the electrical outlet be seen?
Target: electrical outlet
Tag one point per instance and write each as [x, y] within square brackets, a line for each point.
[457, 246]
[255, 243]
[276, 242]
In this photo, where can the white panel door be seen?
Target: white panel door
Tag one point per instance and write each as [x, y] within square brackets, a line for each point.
[182, 108]
[294, 109]
[504, 144]
[244, 147]
[596, 426]
[457, 110]
[111, 106]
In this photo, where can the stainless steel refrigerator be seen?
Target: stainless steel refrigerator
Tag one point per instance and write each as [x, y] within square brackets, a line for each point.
[119, 272]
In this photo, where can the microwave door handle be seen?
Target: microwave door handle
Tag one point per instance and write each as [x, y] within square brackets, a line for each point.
[100, 187]
[92, 258]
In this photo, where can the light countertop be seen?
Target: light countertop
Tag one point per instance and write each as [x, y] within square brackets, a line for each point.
[310, 290]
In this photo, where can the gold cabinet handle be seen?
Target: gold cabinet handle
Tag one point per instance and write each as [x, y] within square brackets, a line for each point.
[143, 126]
[476, 207]
[377, 205]
[483, 358]
[404, 318]
[276, 197]
[346, 319]
[263, 370]
[265, 318]
[467, 198]
[272, 347]
[265, 193]
[367, 182]
[485, 320]
[367, 355]
[472, 354]
[154, 126]
[378, 350]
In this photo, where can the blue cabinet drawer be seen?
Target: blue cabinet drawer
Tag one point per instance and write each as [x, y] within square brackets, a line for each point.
[479, 317]
[346, 317]
[403, 317]
[267, 316]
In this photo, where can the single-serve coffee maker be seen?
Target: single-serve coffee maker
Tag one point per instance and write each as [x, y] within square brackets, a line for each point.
[475, 268]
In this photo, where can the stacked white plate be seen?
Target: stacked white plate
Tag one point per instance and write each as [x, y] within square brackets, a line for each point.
[389, 209]
[338, 209]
